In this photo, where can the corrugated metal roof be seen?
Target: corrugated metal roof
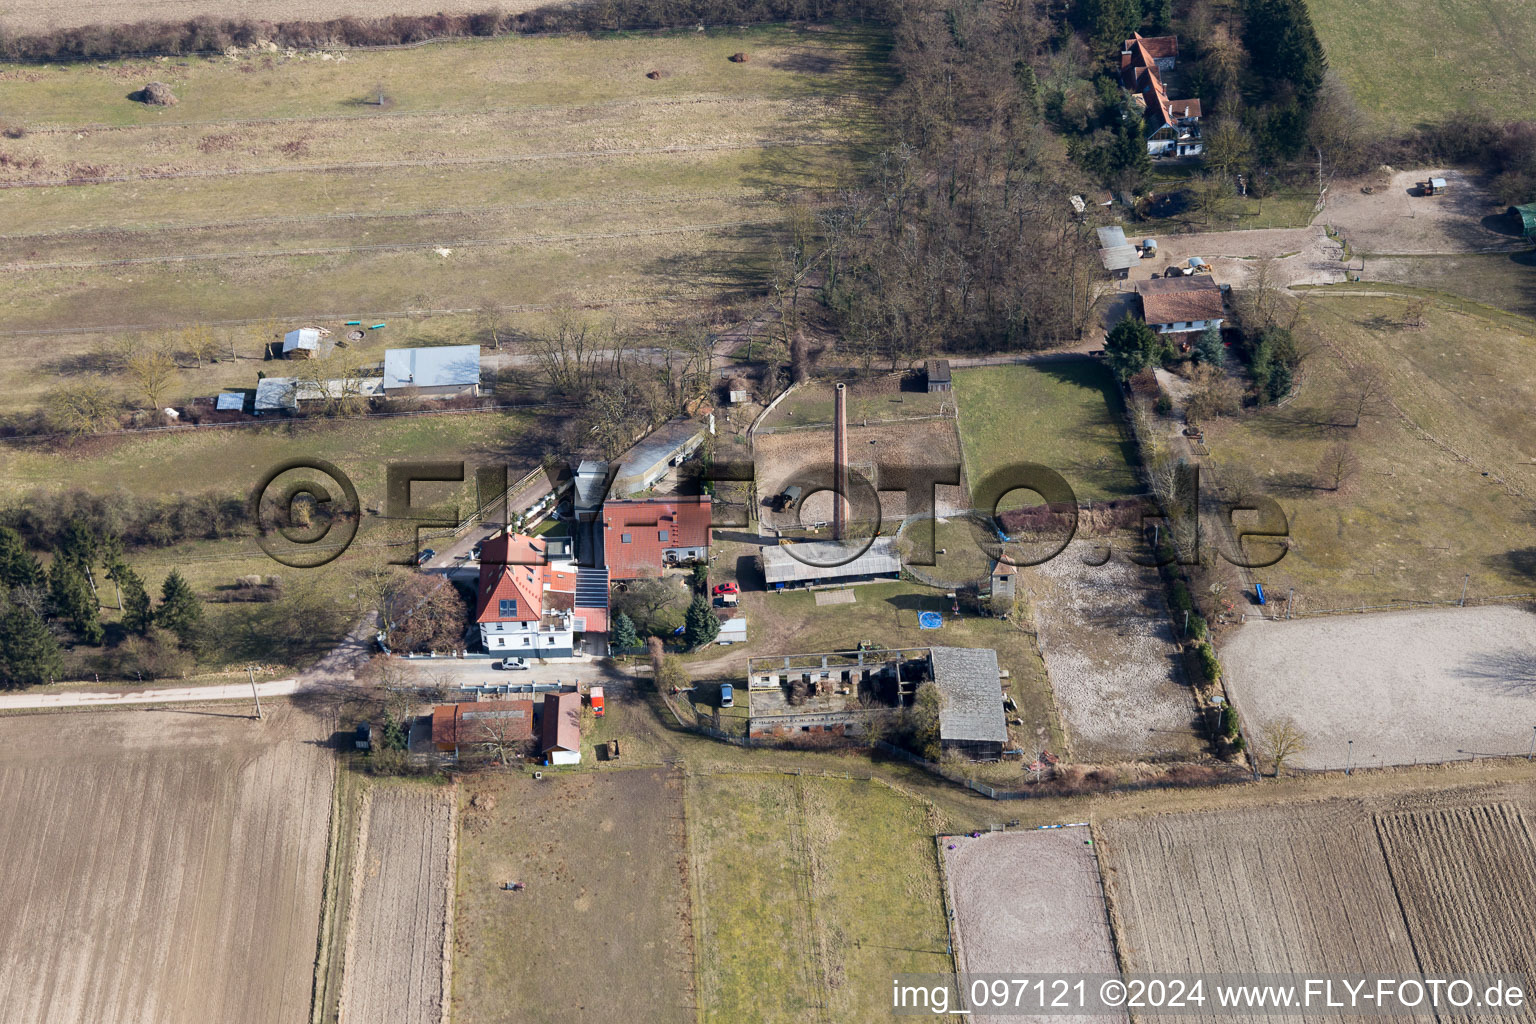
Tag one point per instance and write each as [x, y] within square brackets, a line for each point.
[779, 566]
[653, 452]
[340, 387]
[1120, 257]
[970, 694]
[274, 394]
[1111, 237]
[443, 366]
[1526, 215]
[230, 401]
[304, 337]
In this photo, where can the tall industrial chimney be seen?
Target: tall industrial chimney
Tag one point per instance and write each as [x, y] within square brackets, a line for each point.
[840, 463]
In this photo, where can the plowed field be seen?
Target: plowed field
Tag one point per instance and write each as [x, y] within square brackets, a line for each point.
[161, 866]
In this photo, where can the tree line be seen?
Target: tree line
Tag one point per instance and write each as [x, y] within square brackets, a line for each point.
[43, 518]
[46, 612]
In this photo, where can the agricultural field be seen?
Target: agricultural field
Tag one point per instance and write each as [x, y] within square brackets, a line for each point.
[399, 940]
[1466, 55]
[1407, 687]
[810, 894]
[1444, 476]
[522, 173]
[1010, 889]
[604, 860]
[171, 867]
[1253, 892]
[1062, 413]
[1466, 876]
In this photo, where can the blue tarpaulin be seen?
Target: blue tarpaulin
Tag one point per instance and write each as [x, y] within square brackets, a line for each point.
[1259, 589]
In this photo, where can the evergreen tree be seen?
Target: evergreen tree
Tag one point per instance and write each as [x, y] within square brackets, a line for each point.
[701, 625]
[1132, 346]
[29, 653]
[1209, 350]
[623, 636]
[1158, 14]
[18, 566]
[1280, 380]
[71, 598]
[1283, 47]
[137, 617]
[180, 611]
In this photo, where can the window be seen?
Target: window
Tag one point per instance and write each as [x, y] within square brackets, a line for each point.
[625, 538]
[551, 640]
[508, 607]
[527, 641]
[501, 641]
[661, 535]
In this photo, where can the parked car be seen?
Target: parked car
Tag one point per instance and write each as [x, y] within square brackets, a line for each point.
[721, 589]
[474, 552]
[510, 664]
[727, 695]
[426, 556]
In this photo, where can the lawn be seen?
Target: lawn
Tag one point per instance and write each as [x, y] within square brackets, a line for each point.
[526, 173]
[1064, 414]
[1444, 479]
[1463, 55]
[811, 894]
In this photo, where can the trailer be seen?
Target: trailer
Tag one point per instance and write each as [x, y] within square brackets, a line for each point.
[595, 696]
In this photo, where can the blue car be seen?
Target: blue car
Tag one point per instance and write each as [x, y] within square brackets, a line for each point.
[727, 695]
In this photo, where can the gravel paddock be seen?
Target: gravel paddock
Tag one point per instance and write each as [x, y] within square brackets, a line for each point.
[1406, 687]
[1029, 903]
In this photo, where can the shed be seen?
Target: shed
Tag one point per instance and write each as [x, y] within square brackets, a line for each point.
[561, 728]
[971, 717]
[276, 395]
[783, 569]
[938, 376]
[443, 371]
[306, 343]
[1116, 254]
[1524, 217]
[733, 631]
[230, 401]
[590, 486]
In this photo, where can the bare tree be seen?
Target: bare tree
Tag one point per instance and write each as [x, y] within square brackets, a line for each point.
[1337, 466]
[1212, 195]
[577, 351]
[83, 405]
[199, 343]
[1414, 313]
[1259, 303]
[1363, 393]
[1280, 742]
[501, 734]
[492, 322]
[1228, 146]
[151, 368]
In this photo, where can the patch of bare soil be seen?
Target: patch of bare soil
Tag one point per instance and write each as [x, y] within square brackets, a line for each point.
[397, 944]
[162, 866]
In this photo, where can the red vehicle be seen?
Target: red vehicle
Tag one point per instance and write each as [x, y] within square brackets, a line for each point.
[596, 697]
[721, 589]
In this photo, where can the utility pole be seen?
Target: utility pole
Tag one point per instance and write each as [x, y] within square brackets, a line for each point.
[1349, 762]
[1532, 753]
[1290, 602]
[1465, 577]
[251, 671]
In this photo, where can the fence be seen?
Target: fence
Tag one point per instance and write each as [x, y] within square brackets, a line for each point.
[1283, 612]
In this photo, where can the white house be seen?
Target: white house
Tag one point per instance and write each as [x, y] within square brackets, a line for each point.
[1173, 305]
[525, 605]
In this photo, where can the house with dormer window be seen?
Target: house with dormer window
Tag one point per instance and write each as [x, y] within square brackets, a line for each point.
[525, 604]
[1173, 126]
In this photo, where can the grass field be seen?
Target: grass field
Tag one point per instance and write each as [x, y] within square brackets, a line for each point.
[811, 893]
[1063, 414]
[519, 172]
[1445, 473]
[44, 16]
[607, 900]
[1466, 55]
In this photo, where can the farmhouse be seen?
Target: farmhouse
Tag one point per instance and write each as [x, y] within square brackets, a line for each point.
[446, 371]
[525, 608]
[647, 462]
[462, 725]
[560, 728]
[641, 538]
[1173, 126]
[938, 376]
[817, 563]
[1171, 305]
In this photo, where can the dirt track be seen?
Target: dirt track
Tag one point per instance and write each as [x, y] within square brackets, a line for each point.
[396, 959]
[169, 867]
[1028, 903]
[1406, 687]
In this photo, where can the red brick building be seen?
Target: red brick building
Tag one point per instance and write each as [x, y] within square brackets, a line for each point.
[640, 538]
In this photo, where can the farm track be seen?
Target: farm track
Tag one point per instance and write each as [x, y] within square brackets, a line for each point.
[331, 250]
[1466, 880]
[376, 165]
[395, 965]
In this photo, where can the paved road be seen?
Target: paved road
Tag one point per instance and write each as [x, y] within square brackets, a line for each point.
[234, 691]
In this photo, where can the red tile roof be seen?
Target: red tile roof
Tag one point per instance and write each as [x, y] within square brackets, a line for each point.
[1156, 47]
[1182, 305]
[684, 520]
[1138, 72]
[561, 727]
[510, 571]
[474, 722]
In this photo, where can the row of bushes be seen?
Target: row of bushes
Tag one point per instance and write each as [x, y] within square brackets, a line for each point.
[212, 35]
[42, 517]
